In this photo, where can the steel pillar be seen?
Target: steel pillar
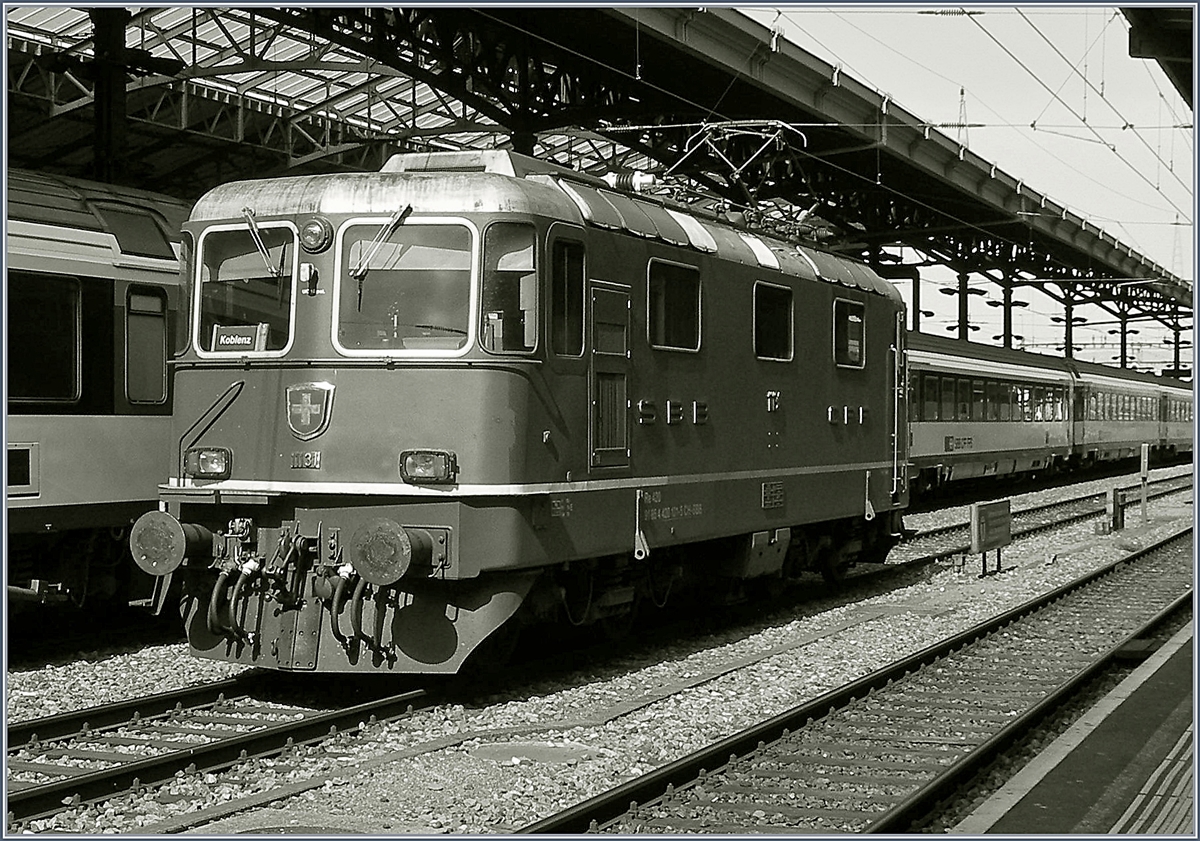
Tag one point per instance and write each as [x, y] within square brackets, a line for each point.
[964, 330]
[110, 155]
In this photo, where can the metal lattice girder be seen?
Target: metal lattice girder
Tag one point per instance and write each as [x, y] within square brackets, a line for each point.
[268, 91]
[876, 162]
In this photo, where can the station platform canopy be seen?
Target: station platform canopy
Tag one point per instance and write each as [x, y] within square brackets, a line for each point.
[180, 99]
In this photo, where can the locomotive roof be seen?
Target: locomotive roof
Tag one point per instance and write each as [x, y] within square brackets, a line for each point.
[495, 181]
[75, 203]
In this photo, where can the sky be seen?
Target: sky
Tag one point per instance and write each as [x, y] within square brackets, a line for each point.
[1052, 97]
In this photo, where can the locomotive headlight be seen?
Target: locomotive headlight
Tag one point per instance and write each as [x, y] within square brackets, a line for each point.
[432, 466]
[316, 234]
[207, 462]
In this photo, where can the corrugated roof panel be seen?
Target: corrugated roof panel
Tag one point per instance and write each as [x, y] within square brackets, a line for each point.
[635, 219]
[848, 273]
[594, 209]
[664, 223]
[762, 253]
[697, 235]
[792, 262]
[730, 246]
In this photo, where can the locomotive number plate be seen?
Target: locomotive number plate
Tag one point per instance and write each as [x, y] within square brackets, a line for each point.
[773, 495]
[306, 461]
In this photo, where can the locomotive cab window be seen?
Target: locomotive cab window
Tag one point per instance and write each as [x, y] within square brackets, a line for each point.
[43, 338]
[246, 288]
[407, 289]
[510, 289]
[772, 322]
[849, 338]
[146, 345]
[566, 297]
[673, 309]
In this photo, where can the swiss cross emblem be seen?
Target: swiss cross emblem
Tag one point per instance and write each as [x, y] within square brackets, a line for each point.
[308, 408]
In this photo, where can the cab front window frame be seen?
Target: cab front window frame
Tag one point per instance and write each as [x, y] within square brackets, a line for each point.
[345, 285]
[200, 283]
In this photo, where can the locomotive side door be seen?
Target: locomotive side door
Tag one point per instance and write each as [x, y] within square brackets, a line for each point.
[608, 378]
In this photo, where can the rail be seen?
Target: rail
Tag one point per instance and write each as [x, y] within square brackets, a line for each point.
[678, 797]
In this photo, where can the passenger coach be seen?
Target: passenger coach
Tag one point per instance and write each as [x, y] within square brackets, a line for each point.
[472, 387]
[978, 411]
[92, 275]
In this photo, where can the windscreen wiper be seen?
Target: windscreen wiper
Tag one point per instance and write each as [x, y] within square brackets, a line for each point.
[359, 272]
[248, 212]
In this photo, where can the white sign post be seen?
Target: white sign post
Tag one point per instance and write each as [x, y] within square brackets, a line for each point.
[1145, 476]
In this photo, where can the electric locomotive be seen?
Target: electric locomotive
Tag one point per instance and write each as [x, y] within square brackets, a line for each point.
[92, 273]
[475, 390]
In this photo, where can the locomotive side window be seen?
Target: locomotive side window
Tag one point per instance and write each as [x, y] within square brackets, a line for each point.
[772, 322]
[510, 305]
[409, 290]
[849, 339]
[673, 310]
[566, 297]
[43, 338]
[146, 345]
[245, 292]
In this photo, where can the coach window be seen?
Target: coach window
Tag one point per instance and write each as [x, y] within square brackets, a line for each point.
[566, 297]
[849, 336]
[948, 412]
[43, 338]
[510, 305]
[964, 400]
[246, 288]
[996, 399]
[146, 345]
[1006, 402]
[929, 383]
[1039, 404]
[772, 322]
[978, 399]
[673, 309]
[137, 232]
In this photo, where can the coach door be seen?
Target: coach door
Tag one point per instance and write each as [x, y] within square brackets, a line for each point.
[608, 380]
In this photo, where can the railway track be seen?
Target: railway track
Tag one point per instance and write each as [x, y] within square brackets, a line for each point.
[89, 755]
[875, 755]
[39, 745]
[1034, 519]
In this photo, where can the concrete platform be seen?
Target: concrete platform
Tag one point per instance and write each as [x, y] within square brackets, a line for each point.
[1126, 767]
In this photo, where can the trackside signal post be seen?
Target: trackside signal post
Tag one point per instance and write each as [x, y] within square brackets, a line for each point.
[991, 528]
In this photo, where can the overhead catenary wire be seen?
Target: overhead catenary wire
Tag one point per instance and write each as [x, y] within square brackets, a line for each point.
[1088, 84]
[712, 111]
[1039, 80]
[1177, 123]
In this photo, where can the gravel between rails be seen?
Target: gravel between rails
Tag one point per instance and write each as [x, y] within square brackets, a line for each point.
[500, 762]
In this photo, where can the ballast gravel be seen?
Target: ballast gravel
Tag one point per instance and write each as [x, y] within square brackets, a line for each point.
[501, 762]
